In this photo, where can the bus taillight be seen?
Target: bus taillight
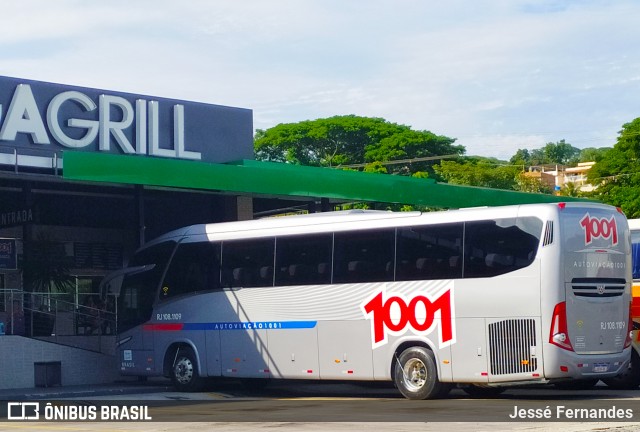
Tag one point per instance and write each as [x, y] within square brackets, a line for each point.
[559, 334]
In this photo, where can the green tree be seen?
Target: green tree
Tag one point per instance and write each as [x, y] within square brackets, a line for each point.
[412, 145]
[479, 172]
[325, 142]
[538, 157]
[375, 167]
[570, 189]
[522, 157]
[561, 153]
[617, 173]
[348, 140]
[592, 154]
[525, 183]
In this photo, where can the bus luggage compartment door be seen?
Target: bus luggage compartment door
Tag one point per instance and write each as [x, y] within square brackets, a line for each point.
[294, 353]
[469, 358]
[244, 353]
[345, 350]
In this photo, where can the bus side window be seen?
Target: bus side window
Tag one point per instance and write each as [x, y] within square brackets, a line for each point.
[364, 256]
[247, 263]
[429, 252]
[303, 260]
[500, 246]
[194, 267]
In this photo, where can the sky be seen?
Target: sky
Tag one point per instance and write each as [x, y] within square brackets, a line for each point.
[497, 75]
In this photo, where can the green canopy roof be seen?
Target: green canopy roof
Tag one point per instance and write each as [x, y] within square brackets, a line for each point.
[278, 179]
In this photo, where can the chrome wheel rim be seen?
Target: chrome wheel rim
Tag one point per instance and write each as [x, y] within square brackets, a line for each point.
[183, 370]
[414, 374]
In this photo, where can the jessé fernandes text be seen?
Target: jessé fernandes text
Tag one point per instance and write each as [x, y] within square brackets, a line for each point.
[562, 412]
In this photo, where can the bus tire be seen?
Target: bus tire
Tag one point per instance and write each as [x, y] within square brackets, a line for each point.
[477, 391]
[416, 374]
[184, 372]
[629, 379]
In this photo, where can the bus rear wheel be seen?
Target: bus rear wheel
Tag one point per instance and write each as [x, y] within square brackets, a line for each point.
[184, 373]
[416, 375]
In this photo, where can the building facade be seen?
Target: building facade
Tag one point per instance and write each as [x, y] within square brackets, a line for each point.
[88, 175]
[50, 224]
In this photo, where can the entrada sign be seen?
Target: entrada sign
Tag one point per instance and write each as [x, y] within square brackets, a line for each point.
[38, 115]
[16, 217]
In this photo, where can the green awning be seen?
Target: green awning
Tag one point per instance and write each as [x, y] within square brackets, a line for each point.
[277, 179]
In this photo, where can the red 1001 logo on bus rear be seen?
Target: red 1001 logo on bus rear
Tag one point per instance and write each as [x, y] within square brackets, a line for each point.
[599, 228]
[395, 314]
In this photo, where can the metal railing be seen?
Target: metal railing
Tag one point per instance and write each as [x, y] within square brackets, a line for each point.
[45, 316]
[29, 159]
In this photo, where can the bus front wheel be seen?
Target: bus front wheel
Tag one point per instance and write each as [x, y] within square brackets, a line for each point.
[184, 373]
[416, 374]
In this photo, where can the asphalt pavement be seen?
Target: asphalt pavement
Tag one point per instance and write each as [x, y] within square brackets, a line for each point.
[122, 387]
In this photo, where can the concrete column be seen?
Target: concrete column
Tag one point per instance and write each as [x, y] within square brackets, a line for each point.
[244, 208]
[237, 208]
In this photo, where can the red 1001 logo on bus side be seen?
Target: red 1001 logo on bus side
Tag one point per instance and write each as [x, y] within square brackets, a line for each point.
[595, 228]
[394, 314]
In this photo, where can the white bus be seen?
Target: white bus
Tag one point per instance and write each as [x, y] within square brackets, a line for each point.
[482, 298]
[630, 378]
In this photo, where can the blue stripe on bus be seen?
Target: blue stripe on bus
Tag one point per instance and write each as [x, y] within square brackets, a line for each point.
[251, 325]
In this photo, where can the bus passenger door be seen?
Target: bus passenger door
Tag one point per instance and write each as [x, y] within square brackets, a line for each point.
[469, 355]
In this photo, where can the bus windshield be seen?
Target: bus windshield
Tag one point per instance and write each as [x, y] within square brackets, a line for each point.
[138, 291]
